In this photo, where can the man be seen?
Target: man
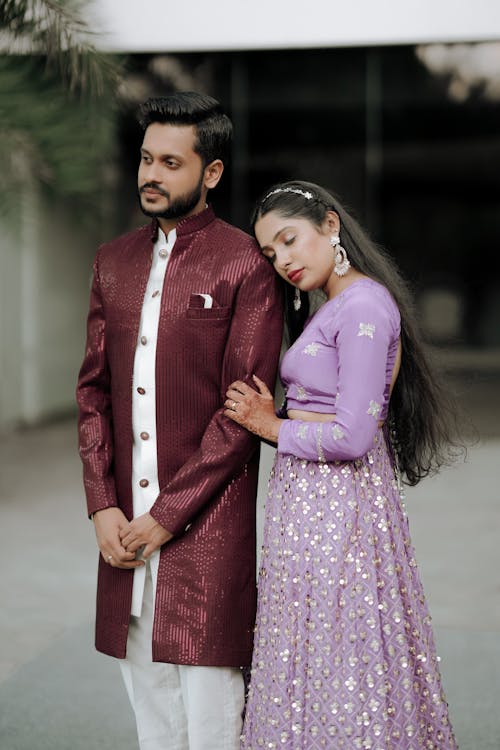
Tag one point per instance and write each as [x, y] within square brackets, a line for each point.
[179, 309]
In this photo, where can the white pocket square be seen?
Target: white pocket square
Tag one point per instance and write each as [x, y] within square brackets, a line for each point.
[207, 300]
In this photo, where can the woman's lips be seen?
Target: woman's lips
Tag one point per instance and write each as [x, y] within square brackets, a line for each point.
[294, 276]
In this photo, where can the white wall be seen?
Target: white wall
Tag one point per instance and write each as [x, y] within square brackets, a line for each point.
[173, 26]
[10, 325]
[45, 264]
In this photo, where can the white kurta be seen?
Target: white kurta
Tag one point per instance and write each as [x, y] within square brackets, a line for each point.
[144, 451]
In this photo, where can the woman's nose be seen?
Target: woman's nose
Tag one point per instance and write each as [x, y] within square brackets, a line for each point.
[283, 259]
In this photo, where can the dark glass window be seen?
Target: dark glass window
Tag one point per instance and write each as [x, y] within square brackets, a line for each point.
[411, 143]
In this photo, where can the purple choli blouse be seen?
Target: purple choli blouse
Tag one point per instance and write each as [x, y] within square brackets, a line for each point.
[341, 364]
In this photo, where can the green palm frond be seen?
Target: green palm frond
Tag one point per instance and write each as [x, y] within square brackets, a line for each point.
[13, 16]
[57, 102]
[60, 142]
[56, 30]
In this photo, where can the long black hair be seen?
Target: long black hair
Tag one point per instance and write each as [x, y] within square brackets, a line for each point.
[422, 410]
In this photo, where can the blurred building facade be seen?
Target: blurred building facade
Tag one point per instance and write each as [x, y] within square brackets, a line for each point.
[45, 269]
[407, 134]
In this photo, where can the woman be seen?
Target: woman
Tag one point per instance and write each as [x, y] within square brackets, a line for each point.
[344, 655]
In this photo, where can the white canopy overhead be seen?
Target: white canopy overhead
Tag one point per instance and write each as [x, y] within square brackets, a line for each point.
[192, 25]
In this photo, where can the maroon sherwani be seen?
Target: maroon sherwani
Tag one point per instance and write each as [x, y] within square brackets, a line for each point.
[207, 464]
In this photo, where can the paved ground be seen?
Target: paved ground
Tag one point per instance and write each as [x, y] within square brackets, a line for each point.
[56, 693]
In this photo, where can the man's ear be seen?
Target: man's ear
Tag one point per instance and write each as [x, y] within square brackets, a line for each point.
[213, 173]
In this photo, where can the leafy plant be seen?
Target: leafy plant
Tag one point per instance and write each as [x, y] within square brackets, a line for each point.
[57, 102]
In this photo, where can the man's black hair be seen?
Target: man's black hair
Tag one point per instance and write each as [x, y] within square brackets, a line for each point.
[214, 128]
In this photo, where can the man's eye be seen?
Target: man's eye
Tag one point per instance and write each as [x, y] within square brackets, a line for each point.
[289, 241]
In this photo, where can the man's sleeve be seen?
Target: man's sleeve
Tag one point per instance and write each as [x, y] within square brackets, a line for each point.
[94, 402]
[252, 348]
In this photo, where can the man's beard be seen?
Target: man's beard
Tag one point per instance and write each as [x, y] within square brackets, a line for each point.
[178, 208]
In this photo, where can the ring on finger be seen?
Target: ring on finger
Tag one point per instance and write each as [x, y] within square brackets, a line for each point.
[109, 558]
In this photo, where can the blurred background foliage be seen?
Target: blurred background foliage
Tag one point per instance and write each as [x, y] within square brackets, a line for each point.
[58, 103]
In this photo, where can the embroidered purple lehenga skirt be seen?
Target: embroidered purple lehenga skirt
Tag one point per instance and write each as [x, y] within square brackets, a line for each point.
[344, 655]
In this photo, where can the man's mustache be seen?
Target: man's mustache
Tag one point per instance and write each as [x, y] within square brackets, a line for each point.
[152, 186]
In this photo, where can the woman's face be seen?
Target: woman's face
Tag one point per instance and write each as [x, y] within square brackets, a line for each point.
[300, 251]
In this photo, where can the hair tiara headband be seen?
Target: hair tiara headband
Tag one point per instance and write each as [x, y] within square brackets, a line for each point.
[308, 195]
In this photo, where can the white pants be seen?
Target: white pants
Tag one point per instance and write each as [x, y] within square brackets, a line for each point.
[179, 707]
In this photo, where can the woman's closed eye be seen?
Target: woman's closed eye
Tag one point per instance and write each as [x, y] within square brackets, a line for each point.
[269, 253]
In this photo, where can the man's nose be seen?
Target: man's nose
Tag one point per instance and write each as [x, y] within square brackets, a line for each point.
[151, 172]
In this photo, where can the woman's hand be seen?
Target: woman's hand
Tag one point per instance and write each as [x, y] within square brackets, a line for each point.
[253, 409]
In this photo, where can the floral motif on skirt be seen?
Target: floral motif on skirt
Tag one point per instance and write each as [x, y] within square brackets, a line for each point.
[344, 655]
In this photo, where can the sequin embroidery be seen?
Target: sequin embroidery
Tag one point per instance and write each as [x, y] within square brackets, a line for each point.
[374, 409]
[303, 431]
[301, 393]
[311, 349]
[344, 654]
[319, 435]
[366, 329]
[337, 432]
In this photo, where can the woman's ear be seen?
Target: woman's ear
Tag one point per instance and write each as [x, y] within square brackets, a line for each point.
[213, 173]
[332, 222]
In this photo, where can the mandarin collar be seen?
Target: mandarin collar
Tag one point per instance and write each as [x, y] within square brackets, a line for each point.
[189, 224]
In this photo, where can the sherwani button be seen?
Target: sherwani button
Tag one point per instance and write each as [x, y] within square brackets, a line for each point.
[143, 483]
[140, 390]
[163, 253]
[144, 340]
[144, 435]
[156, 293]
